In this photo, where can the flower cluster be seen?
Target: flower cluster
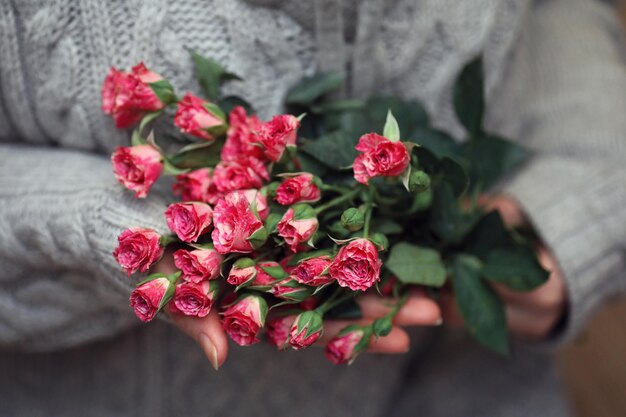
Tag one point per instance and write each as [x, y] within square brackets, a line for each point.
[250, 217]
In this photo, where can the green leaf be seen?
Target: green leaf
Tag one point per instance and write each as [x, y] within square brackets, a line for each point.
[197, 156]
[391, 130]
[227, 104]
[436, 141]
[382, 326]
[409, 115]
[335, 149]
[455, 175]
[480, 306]
[311, 88]
[492, 158]
[271, 222]
[311, 165]
[164, 91]
[517, 268]
[210, 75]
[416, 265]
[489, 233]
[136, 139]
[448, 221]
[277, 272]
[387, 226]
[338, 106]
[147, 119]
[469, 101]
[170, 169]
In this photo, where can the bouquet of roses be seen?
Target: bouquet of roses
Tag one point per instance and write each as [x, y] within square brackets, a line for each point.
[283, 222]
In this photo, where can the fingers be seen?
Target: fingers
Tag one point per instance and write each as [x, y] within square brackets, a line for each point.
[419, 310]
[509, 209]
[397, 341]
[208, 333]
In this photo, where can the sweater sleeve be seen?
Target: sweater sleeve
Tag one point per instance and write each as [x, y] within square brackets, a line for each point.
[568, 93]
[60, 214]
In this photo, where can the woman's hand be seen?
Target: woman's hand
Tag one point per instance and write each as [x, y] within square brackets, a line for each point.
[530, 315]
[206, 331]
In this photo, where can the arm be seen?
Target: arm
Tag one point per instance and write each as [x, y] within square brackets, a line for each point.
[567, 95]
[60, 214]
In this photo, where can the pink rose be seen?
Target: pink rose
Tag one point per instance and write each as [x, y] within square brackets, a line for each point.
[137, 167]
[345, 347]
[243, 320]
[298, 189]
[277, 330]
[138, 249]
[278, 134]
[198, 265]
[356, 266]
[236, 227]
[197, 117]
[297, 228]
[193, 299]
[305, 330]
[243, 270]
[196, 186]
[189, 220]
[313, 272]
[128, 96]
[148, 298]
[240, 174]
[262, 278]
[241, 138]
[380, 157]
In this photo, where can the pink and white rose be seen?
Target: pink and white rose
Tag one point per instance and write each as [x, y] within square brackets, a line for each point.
[196, 186]
[313, 271]
[138, 248]
[240, 174]
[189, 220]
[197, 118]
[241, 138]
[305, 330]
[235, 224]
[198, 265]
[243, 319]
[296, 230]
[194, 299]
[356, 265]
[379, 157]
[278, 134]
[278, 329]
[346, 346]
[137, 167]
[298, 189]
[148, 298]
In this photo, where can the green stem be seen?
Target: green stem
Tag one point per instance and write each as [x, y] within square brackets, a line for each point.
[401, 302]
[335, 188]
[336, 201]
[333, 301]
[368, 211]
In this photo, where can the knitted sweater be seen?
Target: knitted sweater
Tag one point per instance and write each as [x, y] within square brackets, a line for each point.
[555, 81]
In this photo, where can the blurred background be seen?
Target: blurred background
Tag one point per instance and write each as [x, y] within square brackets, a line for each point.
[594, 367]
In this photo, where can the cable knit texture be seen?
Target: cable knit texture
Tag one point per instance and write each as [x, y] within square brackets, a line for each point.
[555, 80]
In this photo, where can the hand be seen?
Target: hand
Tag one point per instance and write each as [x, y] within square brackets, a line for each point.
[206, 331]
[530, 315]
[419, 310]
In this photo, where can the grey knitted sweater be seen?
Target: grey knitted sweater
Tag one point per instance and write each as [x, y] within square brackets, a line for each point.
[70, 345]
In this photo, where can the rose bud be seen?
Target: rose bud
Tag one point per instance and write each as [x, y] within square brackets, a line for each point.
[243, 319]
[306, 329]
[277, 330]
[309, 304]
[267, 274]
[199, 118]
[313, 271]
[285, 263]
[298, 226]
[241, 138]
[348, 344]
[353, 219]
[258, 202]
[150, 297]
[236, 226]
[298, 189]
[189, 220]
[243, 271]
[196, 186]
[277, 135]
[291, 290]
[138, 249]
[137, 167]
[240, 174]
[198, 265]
[356, 266]
[379, 157]
[129, 96]
[191, 299]
[419, 181]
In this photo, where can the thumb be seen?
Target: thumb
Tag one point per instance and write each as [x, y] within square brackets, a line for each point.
[208, 333]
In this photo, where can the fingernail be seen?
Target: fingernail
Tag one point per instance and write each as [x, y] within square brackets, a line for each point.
[439, 322]
[209, 350]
